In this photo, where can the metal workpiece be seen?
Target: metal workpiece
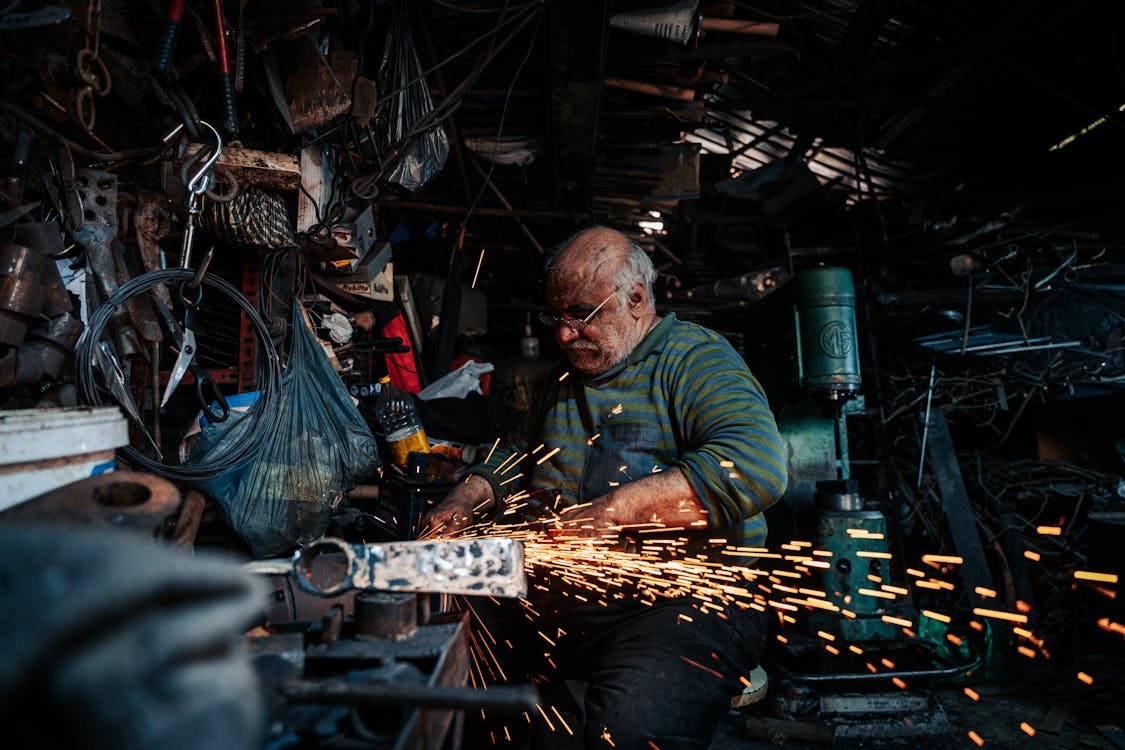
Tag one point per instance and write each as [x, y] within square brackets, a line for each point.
[492, 567]
[129, 501]
[21, 291]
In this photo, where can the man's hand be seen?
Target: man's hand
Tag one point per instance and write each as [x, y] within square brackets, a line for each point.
[457, 509]
[664, 499]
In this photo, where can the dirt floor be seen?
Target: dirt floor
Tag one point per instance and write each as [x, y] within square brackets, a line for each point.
[1061, 711]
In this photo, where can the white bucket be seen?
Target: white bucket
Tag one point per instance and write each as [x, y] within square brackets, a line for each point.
[42, 449]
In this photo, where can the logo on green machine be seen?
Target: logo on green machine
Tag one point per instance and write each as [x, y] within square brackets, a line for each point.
[836, 340]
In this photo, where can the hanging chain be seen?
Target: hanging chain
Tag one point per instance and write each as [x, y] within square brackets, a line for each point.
[91, 69]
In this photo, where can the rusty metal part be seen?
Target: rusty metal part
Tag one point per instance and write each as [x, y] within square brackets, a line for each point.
[99, 226]
[138, 306]
[288, 603]
[151, 224]
[49, 346]
[98, 191]
[44, 237]
[21, 292]
[56, 300]
[127, 500]
[187, 522]
[492, 566]
[385, 614]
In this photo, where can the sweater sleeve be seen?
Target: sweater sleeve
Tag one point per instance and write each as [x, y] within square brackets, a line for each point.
[733, 456]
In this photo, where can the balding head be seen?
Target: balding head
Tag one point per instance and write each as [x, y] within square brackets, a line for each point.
[601, 254]
[583, 277]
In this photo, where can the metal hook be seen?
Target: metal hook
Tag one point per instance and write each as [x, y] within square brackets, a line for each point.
[198, 182]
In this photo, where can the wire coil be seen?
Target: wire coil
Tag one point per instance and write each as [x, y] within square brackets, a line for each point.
[263, 413]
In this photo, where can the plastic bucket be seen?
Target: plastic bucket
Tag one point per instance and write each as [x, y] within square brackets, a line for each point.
[42, 449]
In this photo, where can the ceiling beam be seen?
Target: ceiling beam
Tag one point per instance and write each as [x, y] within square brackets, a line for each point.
[578, 31]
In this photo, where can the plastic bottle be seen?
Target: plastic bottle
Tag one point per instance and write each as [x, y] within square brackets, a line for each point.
[403, 431]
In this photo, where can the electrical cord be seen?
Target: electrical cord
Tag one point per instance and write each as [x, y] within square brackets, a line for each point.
[262, 415]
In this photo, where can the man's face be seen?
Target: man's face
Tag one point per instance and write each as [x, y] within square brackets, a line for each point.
[604, 340]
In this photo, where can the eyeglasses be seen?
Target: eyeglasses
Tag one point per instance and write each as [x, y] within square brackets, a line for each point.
[575, 324]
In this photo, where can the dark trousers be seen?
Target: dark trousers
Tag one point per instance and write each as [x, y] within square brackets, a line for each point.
[663, 674]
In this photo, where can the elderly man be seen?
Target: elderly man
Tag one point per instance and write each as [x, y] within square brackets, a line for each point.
[657, 422]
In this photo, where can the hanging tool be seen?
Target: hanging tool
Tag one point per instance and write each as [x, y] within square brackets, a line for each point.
[115, 382]
[211, 399]
[162, 61]
[196, 185]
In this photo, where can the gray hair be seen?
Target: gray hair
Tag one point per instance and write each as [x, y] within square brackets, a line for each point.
[636, 269]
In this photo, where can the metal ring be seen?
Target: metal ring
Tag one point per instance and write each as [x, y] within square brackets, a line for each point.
[84, 110]
[92, 70]
[306, 558]
[229, 179]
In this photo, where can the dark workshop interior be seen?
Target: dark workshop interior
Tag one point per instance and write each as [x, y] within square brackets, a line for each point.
[272, 282]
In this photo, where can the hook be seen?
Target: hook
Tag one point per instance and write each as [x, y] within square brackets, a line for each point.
[198, 182]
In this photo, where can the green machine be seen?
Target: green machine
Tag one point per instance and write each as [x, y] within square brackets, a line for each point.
[815, 430]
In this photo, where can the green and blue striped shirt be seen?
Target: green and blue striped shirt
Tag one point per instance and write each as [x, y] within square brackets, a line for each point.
[683, 398]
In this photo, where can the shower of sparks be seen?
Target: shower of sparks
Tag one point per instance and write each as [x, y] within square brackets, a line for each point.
[648, 562]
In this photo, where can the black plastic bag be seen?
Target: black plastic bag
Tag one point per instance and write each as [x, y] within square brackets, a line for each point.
[320, 448]
[407, 102]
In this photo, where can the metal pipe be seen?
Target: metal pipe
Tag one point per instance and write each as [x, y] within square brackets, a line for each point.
[926, 423]
[502, 698]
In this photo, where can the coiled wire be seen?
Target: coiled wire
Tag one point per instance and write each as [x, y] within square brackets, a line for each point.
[262, 414]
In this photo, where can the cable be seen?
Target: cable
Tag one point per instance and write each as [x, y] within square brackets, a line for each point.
[503, 116]
[256, 426]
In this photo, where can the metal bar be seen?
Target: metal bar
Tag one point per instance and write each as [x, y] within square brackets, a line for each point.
[501, 698]
[1021, 349]
[489, 566]
[926, 423]
[958, 508]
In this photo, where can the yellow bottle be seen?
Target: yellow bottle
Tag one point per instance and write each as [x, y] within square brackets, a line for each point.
[403, 431]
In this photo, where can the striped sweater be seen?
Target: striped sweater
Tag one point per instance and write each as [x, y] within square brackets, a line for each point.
[683, 398]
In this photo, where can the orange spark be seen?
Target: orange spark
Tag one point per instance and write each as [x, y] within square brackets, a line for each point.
[1027, 729]
[976, 738]
[972, 693]
[1086, 575]
[704, 668]
[1049, 530]
[999, 615]
[1086, 678]
[547, 456]
[936, 616]
[952, 559]
[1034, 556]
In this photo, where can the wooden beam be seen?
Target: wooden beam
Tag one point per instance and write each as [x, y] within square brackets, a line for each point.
[264, 169]
[578, 32]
